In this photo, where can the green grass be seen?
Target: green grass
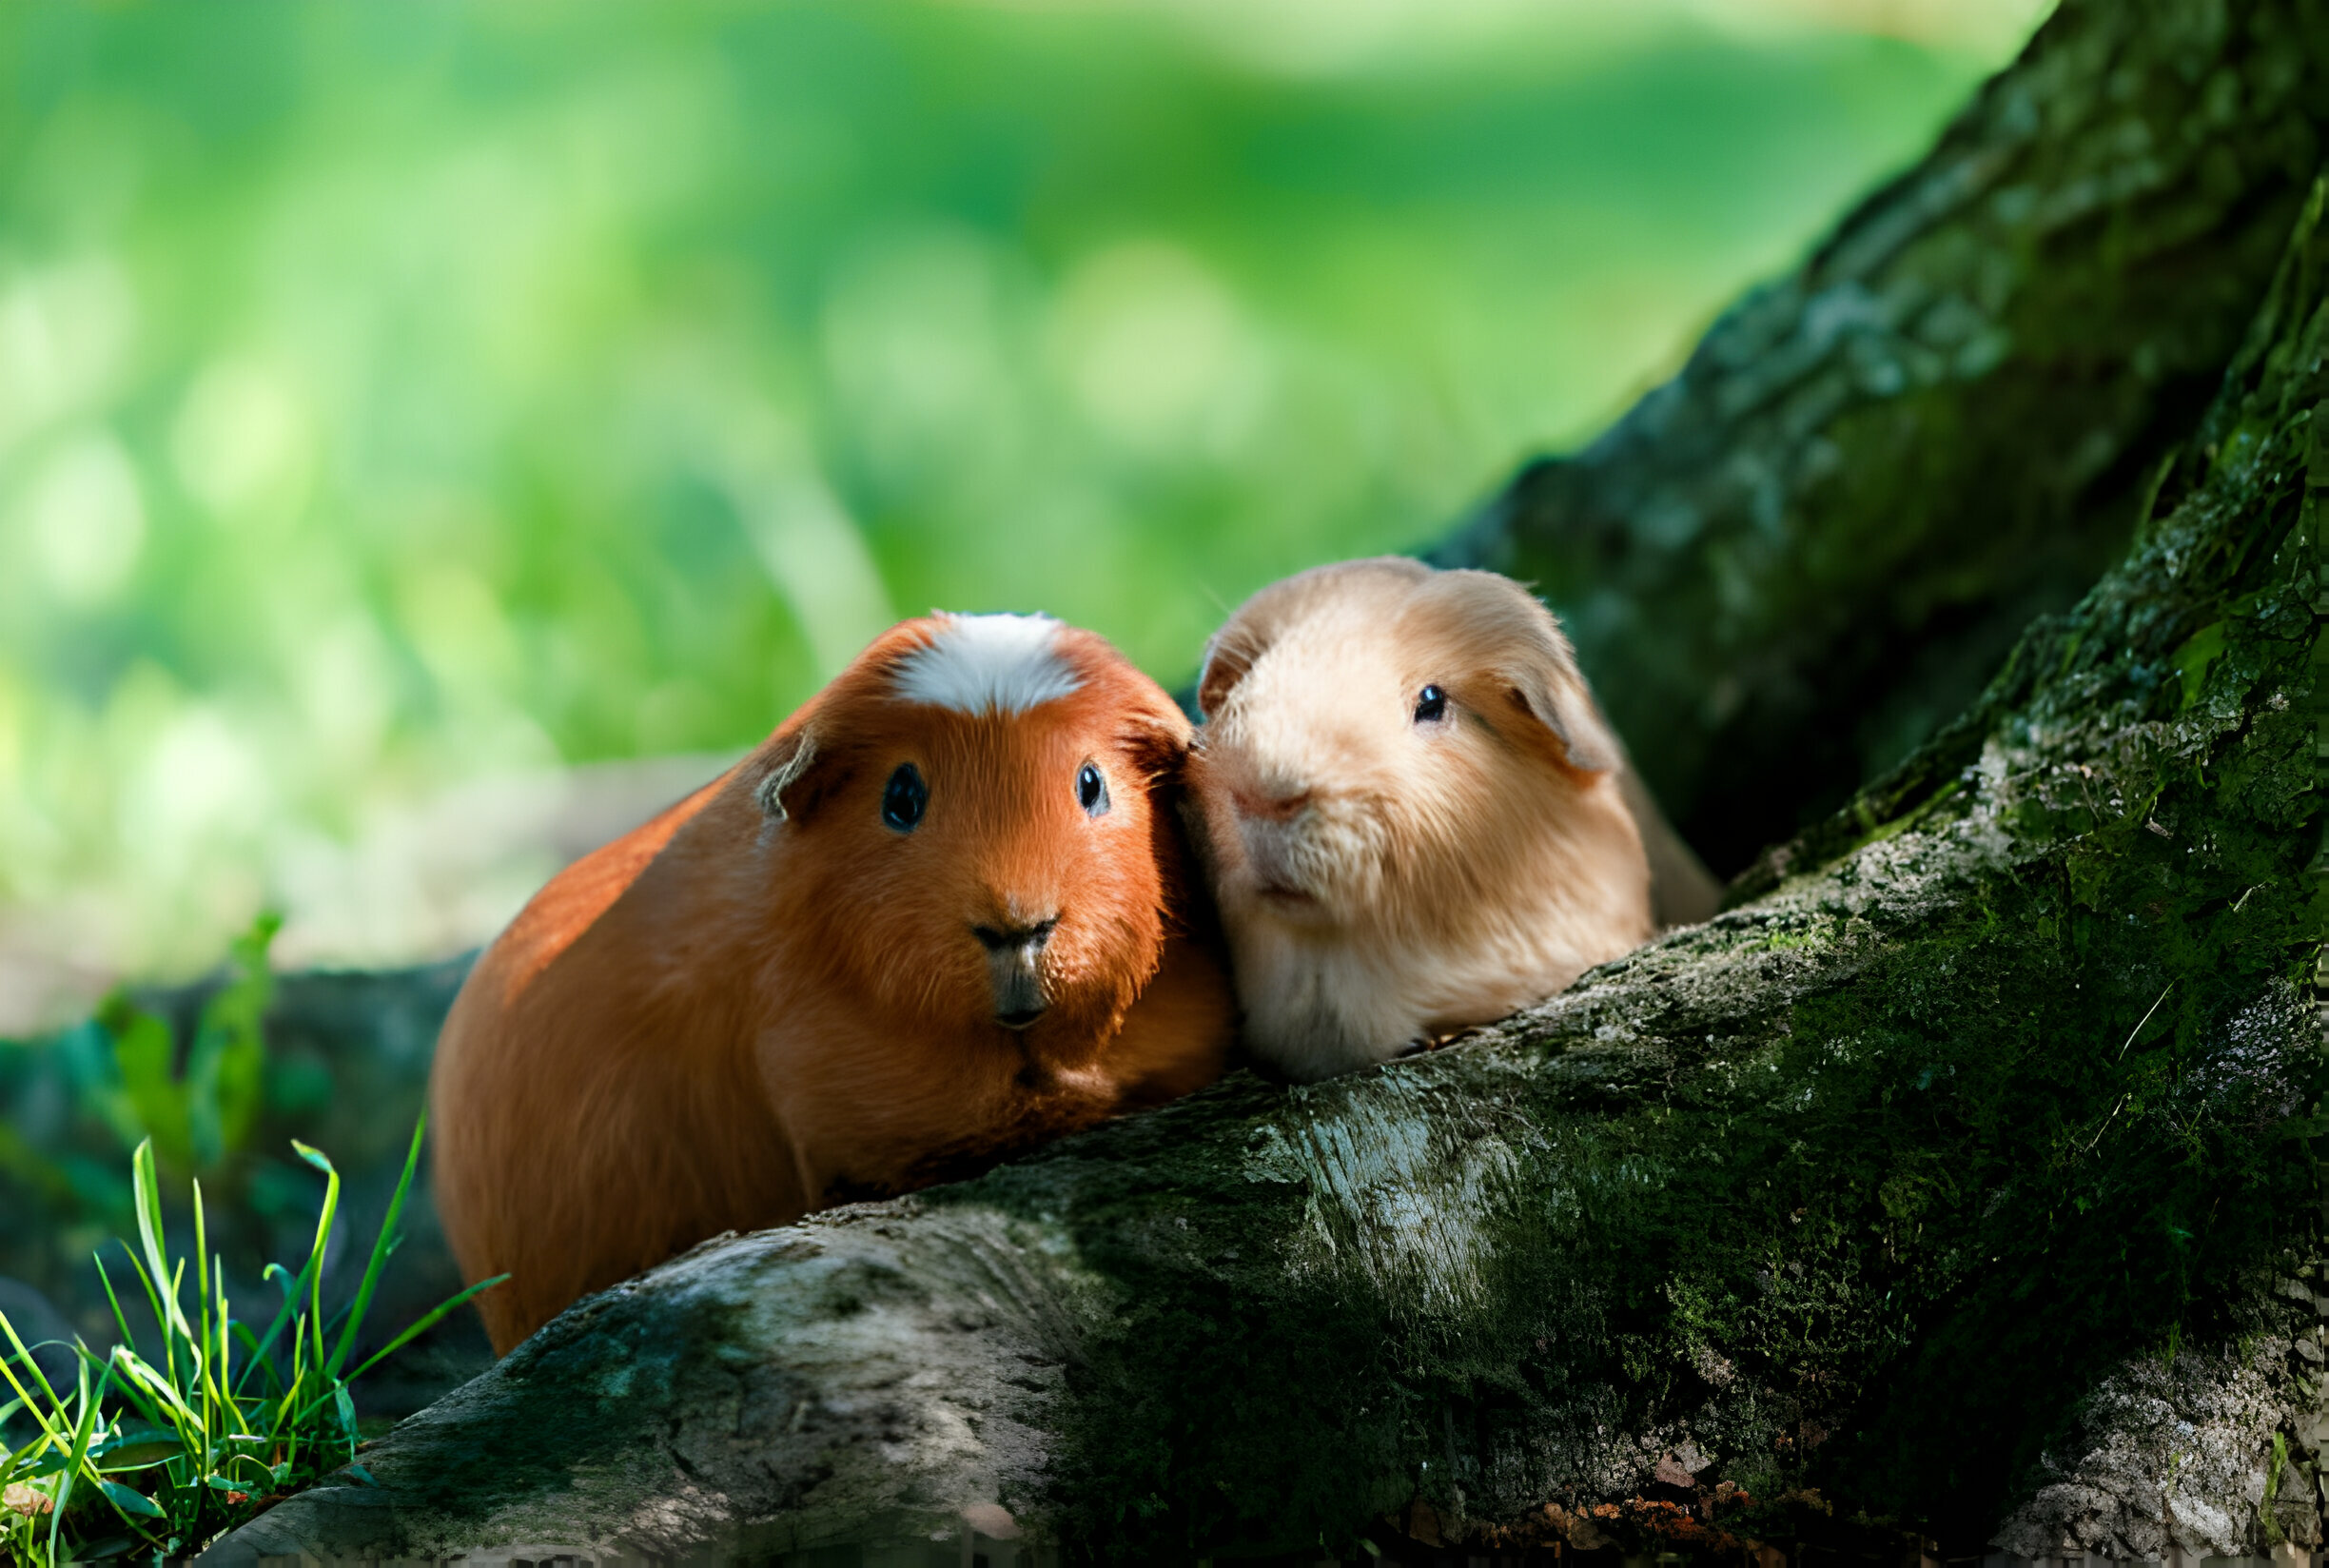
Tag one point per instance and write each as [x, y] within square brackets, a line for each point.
[155, 1454]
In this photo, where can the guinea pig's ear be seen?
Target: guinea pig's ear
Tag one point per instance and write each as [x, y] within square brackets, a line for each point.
[1156, 735]
[1228, 657]
[788, 766]
[1546, 683]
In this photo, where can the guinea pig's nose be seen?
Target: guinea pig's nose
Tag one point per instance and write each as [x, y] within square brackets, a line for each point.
[1012, 969]
[1028, 938]
[1272, 808]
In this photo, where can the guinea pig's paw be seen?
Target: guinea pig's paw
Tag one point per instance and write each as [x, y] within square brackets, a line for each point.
[1416, 1046]
[1423, 1043]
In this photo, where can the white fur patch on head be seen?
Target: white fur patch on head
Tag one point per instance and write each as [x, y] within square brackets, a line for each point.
[988, 664]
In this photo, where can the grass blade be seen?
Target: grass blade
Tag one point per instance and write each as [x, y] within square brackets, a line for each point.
[324, 1224]
[24, 1396]
[33, 1366]
[121, 1323]
[147, 1194]
[292, 1292]
[173, 1407]
[423, 1323]
[131, 1505]
[135, 1396]
[82, 1429]
[381, 1245]
[83, 1461]
[153, 1295]
[206, 1382]
[253, 1363]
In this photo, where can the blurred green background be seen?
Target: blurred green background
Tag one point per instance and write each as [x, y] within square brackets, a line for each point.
[408, 412]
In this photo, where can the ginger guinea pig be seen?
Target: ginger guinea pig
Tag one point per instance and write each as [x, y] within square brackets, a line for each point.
[1410, 811]
[941, 915]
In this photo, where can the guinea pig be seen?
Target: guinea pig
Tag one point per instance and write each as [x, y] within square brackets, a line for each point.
[1410, 812]
[943, 913]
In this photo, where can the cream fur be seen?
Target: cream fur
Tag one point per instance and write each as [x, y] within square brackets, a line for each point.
[1383, 880]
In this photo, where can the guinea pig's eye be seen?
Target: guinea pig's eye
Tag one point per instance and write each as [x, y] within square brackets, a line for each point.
[904, 796]
[1431, 705]
[1091, 790]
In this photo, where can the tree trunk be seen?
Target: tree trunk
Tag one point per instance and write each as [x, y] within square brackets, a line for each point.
[1787, 566]
[1965, 1175]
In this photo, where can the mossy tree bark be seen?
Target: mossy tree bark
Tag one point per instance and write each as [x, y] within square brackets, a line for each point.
[1965, 1174]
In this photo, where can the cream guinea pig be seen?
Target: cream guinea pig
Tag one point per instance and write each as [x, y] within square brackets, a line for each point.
[941, 915]
[1410, 812]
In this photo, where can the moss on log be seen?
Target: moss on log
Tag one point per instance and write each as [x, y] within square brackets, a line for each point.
[1789, 565]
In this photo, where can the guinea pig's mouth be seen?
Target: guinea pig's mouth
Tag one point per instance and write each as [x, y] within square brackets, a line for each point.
[1286, 895]
[1020, 1019]
[1273, 861]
